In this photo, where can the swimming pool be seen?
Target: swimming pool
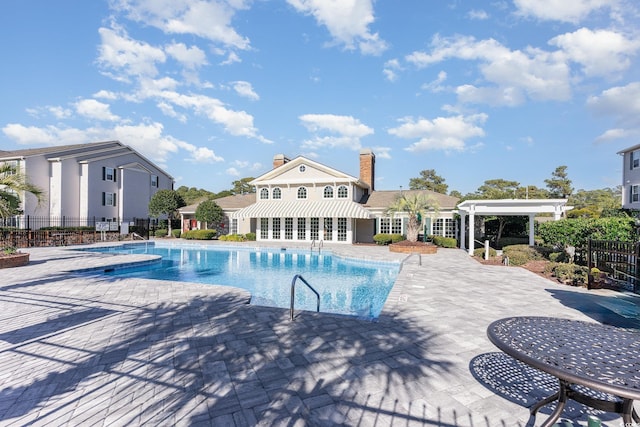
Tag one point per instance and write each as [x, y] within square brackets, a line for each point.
[346, 286]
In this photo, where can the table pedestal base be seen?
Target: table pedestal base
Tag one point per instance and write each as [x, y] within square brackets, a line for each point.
[566, 392]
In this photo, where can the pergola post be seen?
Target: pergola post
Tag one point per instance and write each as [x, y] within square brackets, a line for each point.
[532, 240]
[463, 217]
[472, 229]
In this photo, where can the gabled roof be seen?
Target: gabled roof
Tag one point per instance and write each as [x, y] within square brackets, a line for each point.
[60, 150]
[84, 153]
[228, 203]
[383, 199]
[274, 176]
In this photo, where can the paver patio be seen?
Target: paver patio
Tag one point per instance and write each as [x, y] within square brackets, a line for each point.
[107, 351]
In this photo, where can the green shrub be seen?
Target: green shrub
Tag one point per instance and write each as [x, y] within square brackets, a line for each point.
[199, 234]
[232, 238]
[445, 242]
[176, 233]
[161, 232]
[510, 241]
[8, 250]
[480, 253]
[572, 274]
[558, 257]
[576, 231]
[521, 254]
[250, 237]
[387, 239]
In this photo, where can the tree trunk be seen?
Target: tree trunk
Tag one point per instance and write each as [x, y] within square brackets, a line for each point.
[412, 229]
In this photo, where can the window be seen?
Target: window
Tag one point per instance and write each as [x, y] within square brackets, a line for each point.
[449, 228]
[343, 192]
[328, 192]
[635, 193]
[342, 229]
[108, 174]
[314, 227]
[635, 159]
[13, 167]
[154, 180]
[276, 228]
[328, 229]
[288, 228]
[302, 168]
[277, 194]
[264, 228]
[108, 199]
[264, 194]
[385, 225]
[302, 228]
[233, 226]
[396, 226]
[302, 193]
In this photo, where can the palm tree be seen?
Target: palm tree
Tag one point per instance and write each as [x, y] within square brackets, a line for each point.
[416, 205]
[12, 183]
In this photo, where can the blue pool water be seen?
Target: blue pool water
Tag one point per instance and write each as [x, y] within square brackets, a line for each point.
[346, 286]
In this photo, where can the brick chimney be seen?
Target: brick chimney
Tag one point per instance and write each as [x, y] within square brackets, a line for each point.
[368, 167]
[279, 160]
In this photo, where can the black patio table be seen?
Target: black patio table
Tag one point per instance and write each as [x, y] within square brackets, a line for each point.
[598, 357]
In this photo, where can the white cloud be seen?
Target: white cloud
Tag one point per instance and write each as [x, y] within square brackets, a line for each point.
[513, 74]
[441, 133]
[125, 57]
[207, 19]
[391, 68]
[382, 152]
[436, 85]
[623, 104]
[93, 109]
[190, 57]
[347, 21]
[565, 10]
[233, 172]
[600, 52]
[345, 131]
[245, 89]
[479, 15]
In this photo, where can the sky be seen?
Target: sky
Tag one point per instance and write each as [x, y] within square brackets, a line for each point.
[212, 90]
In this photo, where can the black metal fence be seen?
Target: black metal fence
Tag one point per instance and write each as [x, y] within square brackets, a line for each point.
[37, 231]
[620, 260]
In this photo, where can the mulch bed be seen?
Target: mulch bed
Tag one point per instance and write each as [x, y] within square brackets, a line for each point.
[536, 267]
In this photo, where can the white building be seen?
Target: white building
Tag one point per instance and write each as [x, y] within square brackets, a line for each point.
[631, 177]
[105, 181]
[303, 200]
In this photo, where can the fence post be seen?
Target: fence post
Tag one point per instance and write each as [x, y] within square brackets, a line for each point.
[589, 259]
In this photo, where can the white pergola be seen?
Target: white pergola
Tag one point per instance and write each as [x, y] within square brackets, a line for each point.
[513, 207]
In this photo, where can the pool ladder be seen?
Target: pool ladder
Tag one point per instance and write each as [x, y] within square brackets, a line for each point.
[313, 244]
[293, 293]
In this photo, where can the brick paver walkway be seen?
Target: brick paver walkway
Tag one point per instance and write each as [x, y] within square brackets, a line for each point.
[107, 351]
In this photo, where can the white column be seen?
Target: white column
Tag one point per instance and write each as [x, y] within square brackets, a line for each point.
[532, 240]
[472, 227]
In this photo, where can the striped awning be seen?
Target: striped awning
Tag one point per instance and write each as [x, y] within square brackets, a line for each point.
[303, 209]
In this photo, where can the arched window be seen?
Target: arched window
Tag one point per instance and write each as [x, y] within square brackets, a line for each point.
[328, 192]
[277, 193]
[264, 194]
[302, 193]
[343, 192]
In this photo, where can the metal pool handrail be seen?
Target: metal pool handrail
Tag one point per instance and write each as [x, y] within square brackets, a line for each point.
[293, 293]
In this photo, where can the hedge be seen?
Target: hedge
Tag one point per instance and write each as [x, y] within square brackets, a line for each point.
[199, 234]
[387, 239]
[445, 242]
